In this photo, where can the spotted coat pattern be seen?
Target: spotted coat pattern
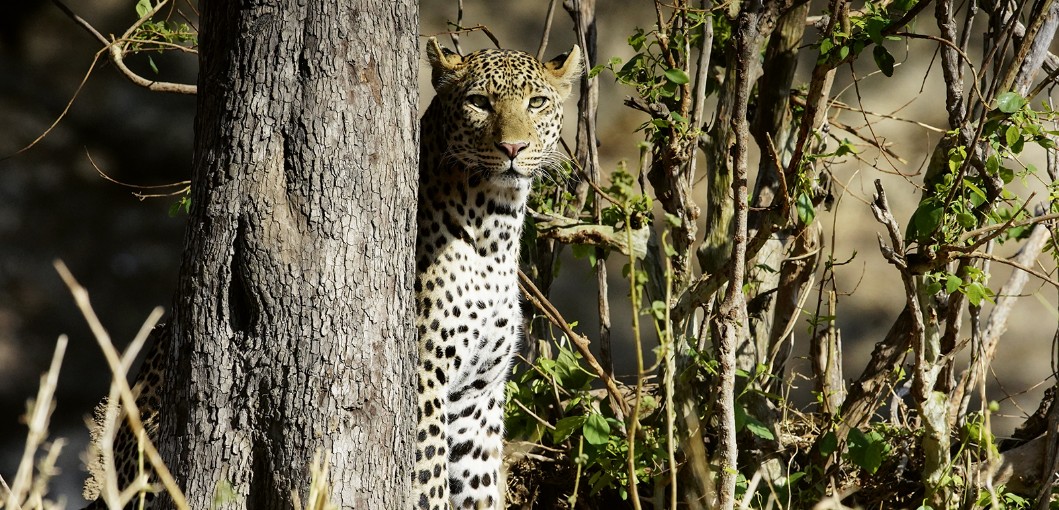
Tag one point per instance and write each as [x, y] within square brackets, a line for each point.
[126, 447]
[493, 125]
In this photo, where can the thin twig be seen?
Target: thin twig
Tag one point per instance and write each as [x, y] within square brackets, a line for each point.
[634, 417]
[183, 184]
[1012, 263]
[482, 28]
[880, 207]
[81, 22]
[66, 109]
[966, 59]
[732, 313]
[537, 299]
[110, 423]
[455, 36]
[540, 420]
[1004, 226]
[1037, 20]
[547, 30]
[670, 357]
[799, 100]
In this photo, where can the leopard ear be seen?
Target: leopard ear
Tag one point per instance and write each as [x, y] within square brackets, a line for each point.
[443, 63]
[564, 69]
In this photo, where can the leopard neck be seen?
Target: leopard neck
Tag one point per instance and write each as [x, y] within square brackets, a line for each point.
[485, 213]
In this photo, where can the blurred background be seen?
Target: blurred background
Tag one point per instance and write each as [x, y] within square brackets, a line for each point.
[126, 252]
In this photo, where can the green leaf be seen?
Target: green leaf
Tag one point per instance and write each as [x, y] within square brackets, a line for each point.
[828, 443]
[867, 450]
[677, 76]
[978, 197]
[976, 292]
[182, 205]
[825, 47]
[567, 426]
[966, 220]
[1012, 135]
[874, 27]
[596, 429]
[992, 164]
[884, 60]
[759, 429]
[952, 283]
[658, 310]
[873, 457]
[846, 147]
[584, 251]
[569, 371]
[637, 40]
[1016, 500]
[805, 208]
[1018, 145]
[143, 7]
[925, 220]
[1007, 175]
[150, 62]
[592, 73]
[1010, 102]
[932, 287]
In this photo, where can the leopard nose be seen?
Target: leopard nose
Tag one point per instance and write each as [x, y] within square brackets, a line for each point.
[512, 149]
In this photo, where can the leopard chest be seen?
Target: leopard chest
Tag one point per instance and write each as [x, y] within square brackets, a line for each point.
[466, 287]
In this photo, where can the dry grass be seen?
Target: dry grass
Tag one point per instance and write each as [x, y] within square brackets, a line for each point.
[29, 488]
[37, 466]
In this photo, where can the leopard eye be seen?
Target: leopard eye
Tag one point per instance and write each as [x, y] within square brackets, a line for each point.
[537, 101]
[479, 101]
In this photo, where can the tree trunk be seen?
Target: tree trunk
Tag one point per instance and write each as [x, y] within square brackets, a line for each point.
[292, 329]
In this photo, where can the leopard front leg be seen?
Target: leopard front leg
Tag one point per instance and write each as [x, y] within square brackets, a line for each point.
[476, 433]
[430, 477]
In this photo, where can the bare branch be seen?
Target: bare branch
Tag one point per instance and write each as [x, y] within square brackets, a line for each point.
[455, 34]
[732, 313]
[966, 236]
[547, 29]
[1014, 264]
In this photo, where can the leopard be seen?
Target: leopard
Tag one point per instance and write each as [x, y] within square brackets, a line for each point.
[492, 127]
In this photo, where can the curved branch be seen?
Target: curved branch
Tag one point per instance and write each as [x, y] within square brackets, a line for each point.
[117, 51]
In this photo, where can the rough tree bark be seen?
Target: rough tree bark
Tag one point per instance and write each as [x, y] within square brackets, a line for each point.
[292, 322]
